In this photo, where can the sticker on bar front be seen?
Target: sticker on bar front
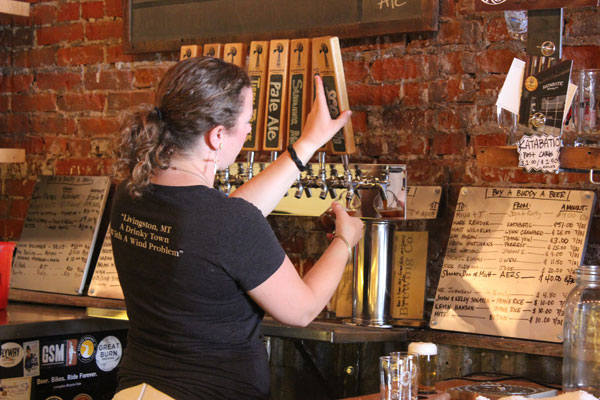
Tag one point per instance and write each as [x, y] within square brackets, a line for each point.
[539, 153]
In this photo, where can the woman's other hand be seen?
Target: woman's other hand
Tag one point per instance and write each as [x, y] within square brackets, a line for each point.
[320, 127]
[351, 228]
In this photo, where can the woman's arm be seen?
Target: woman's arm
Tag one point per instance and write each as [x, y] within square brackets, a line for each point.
[297, 301]
[266, 189]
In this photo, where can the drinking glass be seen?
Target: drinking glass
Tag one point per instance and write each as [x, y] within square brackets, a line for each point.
[352, 205]
[385, 387]
[404, 373]
[391, 207]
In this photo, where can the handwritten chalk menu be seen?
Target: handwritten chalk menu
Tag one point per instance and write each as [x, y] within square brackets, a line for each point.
[105, 281]
[510, 261]
[423, 202]
[53, 254]
[408, 275]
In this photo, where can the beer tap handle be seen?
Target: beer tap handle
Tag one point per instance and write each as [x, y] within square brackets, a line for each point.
[257, 72]
[191, 51]
[276, 109]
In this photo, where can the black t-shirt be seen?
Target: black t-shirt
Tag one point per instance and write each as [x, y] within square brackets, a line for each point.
[186, 256]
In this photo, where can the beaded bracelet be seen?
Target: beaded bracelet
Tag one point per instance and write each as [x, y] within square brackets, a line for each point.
[346, 242]
[295, 158]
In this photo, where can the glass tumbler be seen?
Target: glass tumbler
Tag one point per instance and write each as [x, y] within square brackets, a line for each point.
[404, 373]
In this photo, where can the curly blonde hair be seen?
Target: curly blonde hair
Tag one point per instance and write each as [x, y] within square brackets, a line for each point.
[194, 96]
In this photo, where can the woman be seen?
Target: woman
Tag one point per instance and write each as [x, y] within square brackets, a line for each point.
[198, 268]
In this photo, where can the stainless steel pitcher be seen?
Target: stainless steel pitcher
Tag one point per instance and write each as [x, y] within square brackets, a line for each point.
[373, 263]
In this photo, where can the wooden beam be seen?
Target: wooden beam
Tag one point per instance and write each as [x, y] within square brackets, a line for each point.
[570, 157]
[14, 7]
[12, 155]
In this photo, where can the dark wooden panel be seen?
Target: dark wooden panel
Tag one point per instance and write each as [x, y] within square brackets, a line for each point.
[500, 5]
[576, 158]
[167, 25]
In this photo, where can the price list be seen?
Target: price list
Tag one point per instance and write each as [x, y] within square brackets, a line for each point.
[105, 281]
[59, 232]
[511, 260]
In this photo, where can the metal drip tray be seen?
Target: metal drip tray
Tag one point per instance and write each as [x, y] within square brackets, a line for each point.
[494, 391]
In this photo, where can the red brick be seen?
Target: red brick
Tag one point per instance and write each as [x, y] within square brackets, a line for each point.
[365, 95]
[123, 101]
[148, 77]
[92, 10]
[32, 58]
[81, 102]
[459, 31]
[359, 121]
[18, 187]
[5, 57]
[460, 89]
[4, 207]
[53, 123]
[21, 83]
[414, 93]
[18, 208]
[56, 145]
[457, 63]
[34, 102]
[412, 144]
[447, 8]
[61, 33]
[43, 14]
[115, 54]
[21, 21]
[68, 11]
[447, 120]
[83, 166]
[356, 70]
[79, 148]
[583, 56]
[406, 120]
[14, 123]
[425, 171]
[111, 79]
[495, 61]
[58, 81]
[7, 38]
[447, 144]
[98, 126]
[405, 67]
[495, 139]
[23, 37]
[496, 30]
[114, 8]
[102, 30]
[4, 103]
[83, 55]
[34, 145]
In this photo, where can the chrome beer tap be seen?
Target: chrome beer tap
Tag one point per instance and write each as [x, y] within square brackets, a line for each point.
[322, 181]
[250, 173]
[333, 181]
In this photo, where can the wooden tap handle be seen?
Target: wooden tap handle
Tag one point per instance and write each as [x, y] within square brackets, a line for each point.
[276, 109]
[257, 71]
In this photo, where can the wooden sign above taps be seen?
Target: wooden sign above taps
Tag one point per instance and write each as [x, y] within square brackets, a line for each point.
[502, 5]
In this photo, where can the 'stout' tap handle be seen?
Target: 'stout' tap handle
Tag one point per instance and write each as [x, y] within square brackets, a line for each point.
[327, 62]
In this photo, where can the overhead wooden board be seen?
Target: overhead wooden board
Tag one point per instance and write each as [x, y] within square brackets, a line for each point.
[500, 5]
[510, 261]
[59, 233]
[159, 25]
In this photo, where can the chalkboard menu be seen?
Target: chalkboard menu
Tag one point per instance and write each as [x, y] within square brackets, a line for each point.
[105, 281]
[510, 261]
[53, 254]
[157, 25]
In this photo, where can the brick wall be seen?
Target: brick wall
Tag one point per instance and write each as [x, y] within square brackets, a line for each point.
[426, 100]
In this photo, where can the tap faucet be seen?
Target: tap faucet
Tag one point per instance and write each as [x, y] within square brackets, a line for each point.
[250, 173]
[322, 181]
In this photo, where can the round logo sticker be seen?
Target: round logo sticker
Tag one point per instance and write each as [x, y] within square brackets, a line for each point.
[109, 353]
[531, 83]
[86, 349]
[11, 354]
[82, 396]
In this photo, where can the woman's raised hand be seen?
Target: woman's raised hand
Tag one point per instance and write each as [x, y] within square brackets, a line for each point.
[320, 127]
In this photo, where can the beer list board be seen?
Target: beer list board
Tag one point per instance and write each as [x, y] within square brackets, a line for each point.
[105, 281]
[510, 261]
[53, 254]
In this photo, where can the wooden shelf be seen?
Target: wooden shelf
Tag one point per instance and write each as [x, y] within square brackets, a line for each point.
[497, 343]
[576, 158]
[14, 7]
[32, 296]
